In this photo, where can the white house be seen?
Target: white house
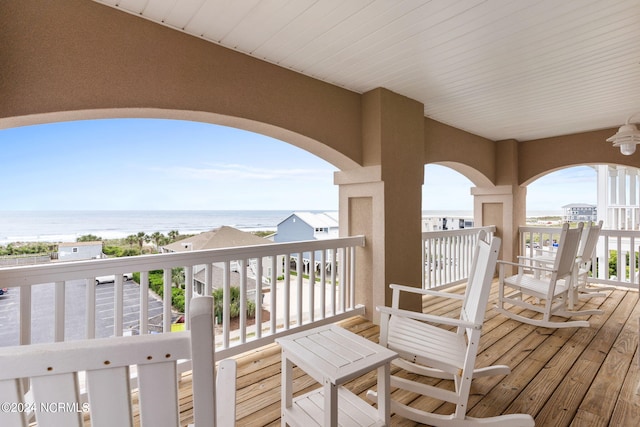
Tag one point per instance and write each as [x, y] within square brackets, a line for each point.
[432, 223]
[300, 226]
[80, 250]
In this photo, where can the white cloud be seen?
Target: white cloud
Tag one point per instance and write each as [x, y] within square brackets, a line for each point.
[243, 172]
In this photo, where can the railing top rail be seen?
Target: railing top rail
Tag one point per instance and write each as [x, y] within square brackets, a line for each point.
[459, 232]
[556, 229]
[59, 271]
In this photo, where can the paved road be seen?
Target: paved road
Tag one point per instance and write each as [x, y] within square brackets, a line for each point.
[75, 323]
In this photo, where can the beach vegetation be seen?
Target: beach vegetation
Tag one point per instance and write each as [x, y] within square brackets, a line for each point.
[26, 248]
[88, 238]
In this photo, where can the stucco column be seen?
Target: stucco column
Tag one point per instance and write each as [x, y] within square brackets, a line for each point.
[503, 205]
[383, 199]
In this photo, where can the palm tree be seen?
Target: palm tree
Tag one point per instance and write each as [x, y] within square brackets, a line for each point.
[159, 239]
[173, 235]
[131, 239]
[142, 237]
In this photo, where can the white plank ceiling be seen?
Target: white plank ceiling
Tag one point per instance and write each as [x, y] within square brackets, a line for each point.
[522, 69]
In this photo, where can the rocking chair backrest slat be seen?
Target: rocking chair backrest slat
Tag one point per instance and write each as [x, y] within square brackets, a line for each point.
[477, 295]
[567, 250]
[589, 242]
[109, 391]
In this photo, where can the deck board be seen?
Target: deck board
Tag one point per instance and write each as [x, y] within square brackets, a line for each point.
[562, 377]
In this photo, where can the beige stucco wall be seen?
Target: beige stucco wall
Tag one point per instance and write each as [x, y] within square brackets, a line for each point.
[541, 156]
[78, 56]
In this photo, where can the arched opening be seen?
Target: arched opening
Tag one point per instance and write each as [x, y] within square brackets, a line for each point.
[447, 203]
[156, 165]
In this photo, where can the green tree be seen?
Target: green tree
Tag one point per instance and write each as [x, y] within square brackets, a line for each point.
[218, 298]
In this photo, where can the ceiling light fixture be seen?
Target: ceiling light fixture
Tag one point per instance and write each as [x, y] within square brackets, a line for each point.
[627, 137]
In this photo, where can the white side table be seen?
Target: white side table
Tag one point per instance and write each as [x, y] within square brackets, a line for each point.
[332, 356]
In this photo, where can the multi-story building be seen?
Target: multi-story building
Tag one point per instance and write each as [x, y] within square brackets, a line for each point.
[576, 212]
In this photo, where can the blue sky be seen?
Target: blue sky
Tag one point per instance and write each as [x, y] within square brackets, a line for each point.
[169, 164]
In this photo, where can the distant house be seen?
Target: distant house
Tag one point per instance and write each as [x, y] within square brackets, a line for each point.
[224, 237]
[577, 212]
[432, 223]
[301, 226]
[79, 250]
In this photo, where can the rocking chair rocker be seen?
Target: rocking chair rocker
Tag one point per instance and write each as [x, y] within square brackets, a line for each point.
[433, 351]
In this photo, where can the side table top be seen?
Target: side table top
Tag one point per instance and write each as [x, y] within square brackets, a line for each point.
[331, 353]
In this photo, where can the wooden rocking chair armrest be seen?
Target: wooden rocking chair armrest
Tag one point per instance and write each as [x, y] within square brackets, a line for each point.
[421, 291]
[525, 266]
[534, 259]
[427, 317]
[545, 251]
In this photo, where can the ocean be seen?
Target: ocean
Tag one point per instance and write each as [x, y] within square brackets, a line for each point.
[67, 226]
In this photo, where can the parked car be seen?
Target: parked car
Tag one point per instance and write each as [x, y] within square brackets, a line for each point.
[112, 278]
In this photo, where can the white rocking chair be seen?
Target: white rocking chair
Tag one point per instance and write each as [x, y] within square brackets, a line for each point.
[433, 351]
[549, 286]
[55, 398]
[586, 251]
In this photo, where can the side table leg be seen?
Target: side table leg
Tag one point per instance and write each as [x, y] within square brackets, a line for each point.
[384, 393]
[287, 388]
[330, 404]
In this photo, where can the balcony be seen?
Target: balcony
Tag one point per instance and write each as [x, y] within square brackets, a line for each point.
[576, 376]
[586, 375]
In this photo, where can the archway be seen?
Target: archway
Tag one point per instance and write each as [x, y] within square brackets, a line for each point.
[151, 164]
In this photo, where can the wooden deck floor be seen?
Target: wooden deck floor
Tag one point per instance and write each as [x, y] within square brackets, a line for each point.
[562, 377]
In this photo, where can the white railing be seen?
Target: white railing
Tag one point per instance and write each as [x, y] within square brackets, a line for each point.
[446, 255]
[293, 301]
[614, 263]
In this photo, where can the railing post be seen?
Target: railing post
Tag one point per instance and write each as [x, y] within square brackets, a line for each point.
[287, 291]
[312, 284]
[242, 265]
[91, 307]
[273, 294]
[300, 272]
[25, 315]
[144, 302]
[166, 300]
[118, 306]
[59, 311]
[226, 303]
[258, 298]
